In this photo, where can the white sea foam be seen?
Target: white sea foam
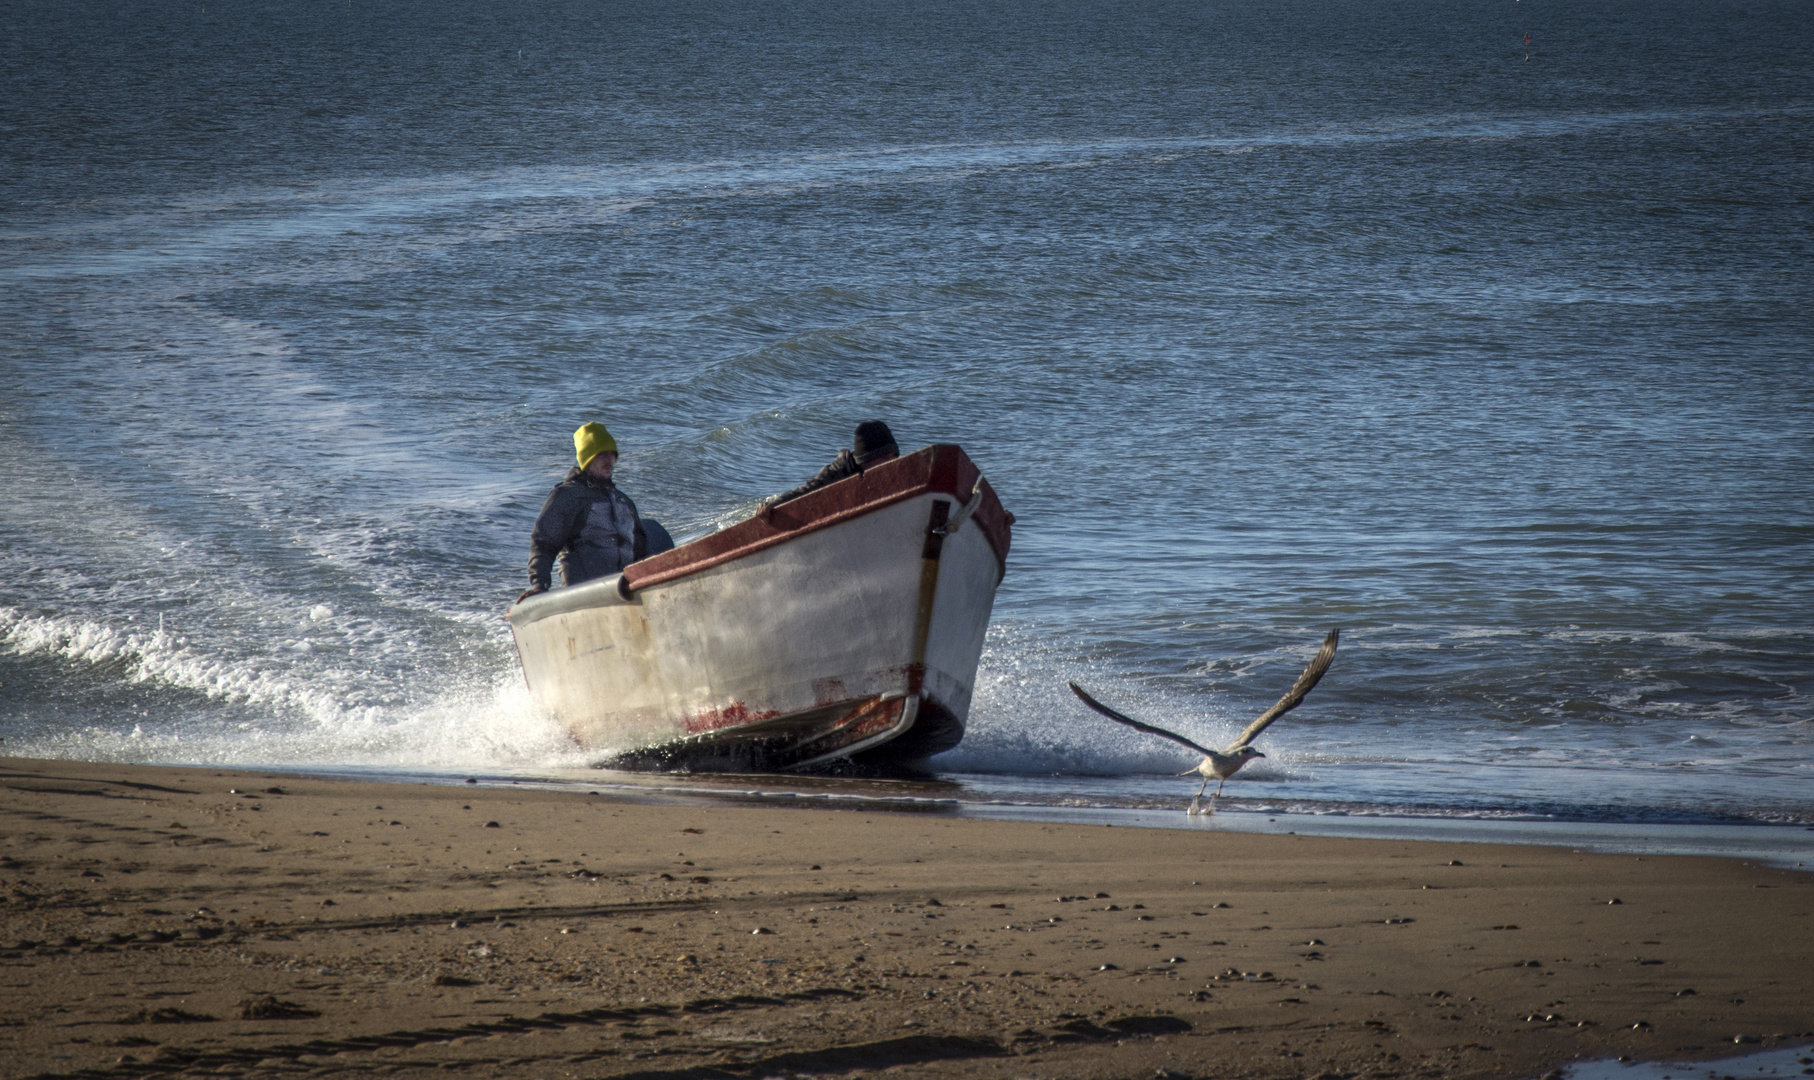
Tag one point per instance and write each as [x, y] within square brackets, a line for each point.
[488, 723]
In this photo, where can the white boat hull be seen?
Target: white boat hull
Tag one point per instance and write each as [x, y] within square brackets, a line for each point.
[839, 626]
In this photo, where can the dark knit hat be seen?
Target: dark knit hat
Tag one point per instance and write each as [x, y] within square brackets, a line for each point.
[873, 440]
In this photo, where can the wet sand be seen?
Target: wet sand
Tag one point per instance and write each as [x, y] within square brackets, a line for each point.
[162, 921]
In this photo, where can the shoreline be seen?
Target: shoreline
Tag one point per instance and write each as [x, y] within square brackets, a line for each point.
[1788, 845]
[163, 920]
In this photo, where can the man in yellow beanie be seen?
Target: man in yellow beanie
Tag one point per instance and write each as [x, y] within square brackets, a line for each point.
[587, 523]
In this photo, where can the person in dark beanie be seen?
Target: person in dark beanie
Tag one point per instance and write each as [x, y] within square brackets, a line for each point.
[872, 445]
[589, 525]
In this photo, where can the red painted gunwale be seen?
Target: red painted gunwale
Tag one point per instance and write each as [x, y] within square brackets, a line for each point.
[942, 469]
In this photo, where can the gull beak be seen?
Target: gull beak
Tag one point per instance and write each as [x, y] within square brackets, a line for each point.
[1256, 753]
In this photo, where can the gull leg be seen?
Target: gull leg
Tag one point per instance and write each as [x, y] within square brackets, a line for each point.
[1197, 798]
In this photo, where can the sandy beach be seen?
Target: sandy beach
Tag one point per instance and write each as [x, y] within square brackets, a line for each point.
[161, 921]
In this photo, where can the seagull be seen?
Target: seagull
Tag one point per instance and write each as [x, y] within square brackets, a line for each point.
[1224, 764]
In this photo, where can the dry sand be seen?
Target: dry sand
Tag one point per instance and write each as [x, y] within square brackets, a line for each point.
[162, 921]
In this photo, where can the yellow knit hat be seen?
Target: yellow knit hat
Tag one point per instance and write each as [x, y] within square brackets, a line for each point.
[590, 441]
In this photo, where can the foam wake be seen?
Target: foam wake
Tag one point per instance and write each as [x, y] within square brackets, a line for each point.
[175, 701]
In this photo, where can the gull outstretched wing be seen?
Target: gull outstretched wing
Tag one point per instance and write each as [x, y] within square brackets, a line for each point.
[1295, 696]
[1133, 723]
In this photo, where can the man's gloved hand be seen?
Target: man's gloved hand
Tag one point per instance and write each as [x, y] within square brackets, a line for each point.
[533, 590]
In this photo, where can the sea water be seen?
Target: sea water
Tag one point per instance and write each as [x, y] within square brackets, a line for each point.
[1480, 330]
[1781, 1062]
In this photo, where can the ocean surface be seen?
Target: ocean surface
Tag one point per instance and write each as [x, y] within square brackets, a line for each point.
[1484, 331]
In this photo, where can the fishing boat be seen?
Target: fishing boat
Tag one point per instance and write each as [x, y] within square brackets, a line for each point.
[843, 624]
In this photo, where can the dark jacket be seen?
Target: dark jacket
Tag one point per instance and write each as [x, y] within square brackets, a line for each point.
[591, 526]
[842, 466]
